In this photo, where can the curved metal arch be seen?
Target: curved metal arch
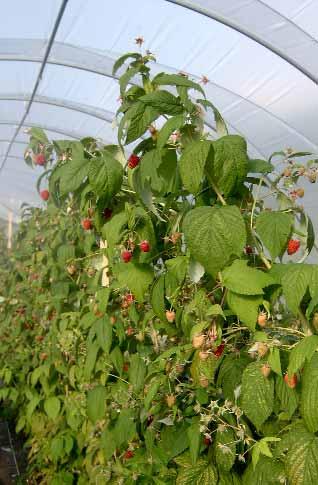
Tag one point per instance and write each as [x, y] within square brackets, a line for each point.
[101, 114]
[103, 66]
[16, 141]
[232, 25]
[75, 136]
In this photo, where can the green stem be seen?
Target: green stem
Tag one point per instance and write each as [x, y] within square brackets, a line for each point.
[218, 193]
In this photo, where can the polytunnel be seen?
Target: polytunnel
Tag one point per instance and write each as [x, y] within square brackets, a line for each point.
[159, 305]
[260, 59]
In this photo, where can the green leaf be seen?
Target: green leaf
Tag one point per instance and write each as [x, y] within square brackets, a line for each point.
[241, 278]
[274, 360]
[262, 447]
[104, 331]
[274, 228]
[120, 61]
[225, 448]
[96, 403]
[195, 439]
[163, 101]
[136, 277]
[72, 174]
[220, 124]
[202, 473]
[114, 230]
[192, 164]
[137, 372]
[92, 350]
[287, 396]
[246, 307]
[105, 176]
[158, 297]
[230, 374]
[169, 127]
[125, 427]
[266, 472]
[65, 253]
[151, 392]
[204, 368]
[174, 440]
[117, 359]
[176, 80]
[301, 461]
[309, 394]
[214, 235]
[303, 351]
[228, 169]
[259, 166]
[257, 394]
[52, 407]
[295, 282]
[136, 121]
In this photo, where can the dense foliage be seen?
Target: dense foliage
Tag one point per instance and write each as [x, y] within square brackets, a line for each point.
[158, 323]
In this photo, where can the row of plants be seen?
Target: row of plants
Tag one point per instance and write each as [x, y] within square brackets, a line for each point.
[158, 322]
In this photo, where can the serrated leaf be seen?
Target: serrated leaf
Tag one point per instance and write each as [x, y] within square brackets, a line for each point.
[274, 228]
[163, 79]
[274, 360]
[204, 368]
[266, 472]
[125, 427]
[192, 164]
[246, 307]
[158, 297]
[104, 332]
[52, 407]
[96, 403]
[295, 282]
[228, 168]
[309, 394]
[163, 101]
[72, 174]
[257, 394]
[214, 235]
[105, 176]
[201, 473]
[136, 277]
[220, 124]
[303, 351]
[301, 461]
[245, 280]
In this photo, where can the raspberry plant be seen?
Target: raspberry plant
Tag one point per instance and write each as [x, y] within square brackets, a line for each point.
[157, 323]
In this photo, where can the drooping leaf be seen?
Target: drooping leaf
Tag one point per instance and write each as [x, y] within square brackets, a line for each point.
[195, 439]
[295, 282]
[230, 374]
[163, 79]
[288, 397]
[214, 235]
[105, 176]
[274, 228]
[259, 166]
[266, 472]
[137, 372]
[246, 307]
[72, 174]
[169, 127]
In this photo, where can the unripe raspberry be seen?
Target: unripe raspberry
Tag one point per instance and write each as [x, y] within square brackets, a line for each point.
[266, 370]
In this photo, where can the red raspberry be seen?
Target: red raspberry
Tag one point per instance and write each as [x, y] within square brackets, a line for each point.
[219, 350]
[144, 246]
[126, 256]
[249, 250]
[87, 224]
[133, 161]
[126, 367]
[293, 246]
[44, 194]
[206, 441]
[128, 454]
[129, 298]
[39, 159]
[107, 213]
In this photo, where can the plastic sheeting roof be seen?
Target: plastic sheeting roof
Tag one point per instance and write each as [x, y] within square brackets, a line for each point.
[260, 56]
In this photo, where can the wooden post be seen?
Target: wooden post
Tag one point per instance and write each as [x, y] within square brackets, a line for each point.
[10, 220]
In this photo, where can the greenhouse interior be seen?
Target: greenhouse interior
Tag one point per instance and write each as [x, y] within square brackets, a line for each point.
[158, 260]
